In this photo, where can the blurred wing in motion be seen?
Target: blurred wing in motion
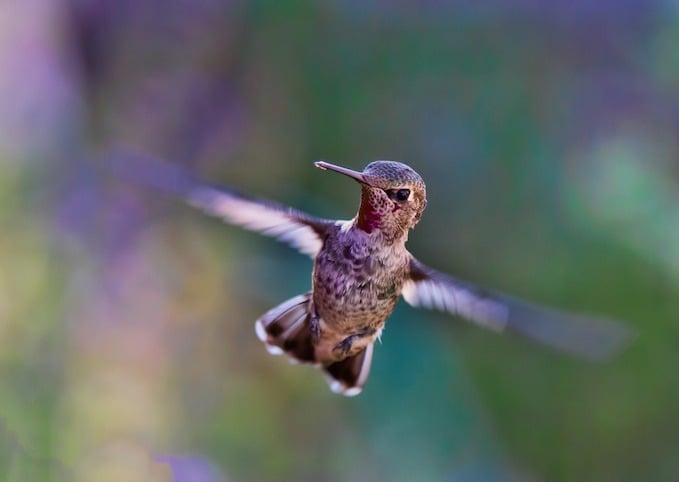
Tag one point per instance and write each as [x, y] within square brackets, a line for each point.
[298, 229]
[590, 337]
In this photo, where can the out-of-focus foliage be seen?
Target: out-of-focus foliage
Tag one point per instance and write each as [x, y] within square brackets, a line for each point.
[547, 132]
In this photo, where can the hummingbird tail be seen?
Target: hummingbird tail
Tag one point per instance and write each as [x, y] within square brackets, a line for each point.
[287, 329]
[349, 375]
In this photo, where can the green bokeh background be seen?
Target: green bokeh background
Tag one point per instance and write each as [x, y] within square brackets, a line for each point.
[546, 132]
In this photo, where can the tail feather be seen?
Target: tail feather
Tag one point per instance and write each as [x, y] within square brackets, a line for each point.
[349, 375]
[286, 329]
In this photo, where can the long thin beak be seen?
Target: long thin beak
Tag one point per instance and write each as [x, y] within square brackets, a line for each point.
[326, 166]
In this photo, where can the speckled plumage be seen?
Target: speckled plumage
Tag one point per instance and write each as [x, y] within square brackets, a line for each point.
[357, 281]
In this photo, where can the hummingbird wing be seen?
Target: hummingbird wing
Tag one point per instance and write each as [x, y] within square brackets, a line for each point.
[298, 229]
[591, 337]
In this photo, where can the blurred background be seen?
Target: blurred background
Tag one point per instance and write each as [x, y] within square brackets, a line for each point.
[547, 134]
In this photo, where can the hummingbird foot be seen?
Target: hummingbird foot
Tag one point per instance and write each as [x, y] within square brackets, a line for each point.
[344, 346]
[315, 329]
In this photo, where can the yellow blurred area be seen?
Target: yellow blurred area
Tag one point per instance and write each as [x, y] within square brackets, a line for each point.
[121, 461]
[25, 276]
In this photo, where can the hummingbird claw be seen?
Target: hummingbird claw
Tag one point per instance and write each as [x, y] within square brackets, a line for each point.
[344, 346]
[315, 329]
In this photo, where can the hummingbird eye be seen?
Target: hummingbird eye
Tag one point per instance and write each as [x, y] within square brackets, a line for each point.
[398, 194]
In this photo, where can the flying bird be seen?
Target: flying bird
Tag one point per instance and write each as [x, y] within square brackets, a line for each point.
[361, 269]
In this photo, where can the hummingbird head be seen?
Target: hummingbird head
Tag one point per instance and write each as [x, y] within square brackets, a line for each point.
[393, 196]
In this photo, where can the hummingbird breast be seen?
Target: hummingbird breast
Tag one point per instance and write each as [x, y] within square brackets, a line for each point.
[357, 281]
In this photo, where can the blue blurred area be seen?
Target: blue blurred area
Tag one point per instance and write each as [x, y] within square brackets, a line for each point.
[546, 132]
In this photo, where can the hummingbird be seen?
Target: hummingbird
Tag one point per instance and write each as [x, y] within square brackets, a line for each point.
[362, 268]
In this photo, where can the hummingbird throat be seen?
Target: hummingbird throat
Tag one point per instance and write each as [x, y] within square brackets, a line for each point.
[371, 212]
[369, 219]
